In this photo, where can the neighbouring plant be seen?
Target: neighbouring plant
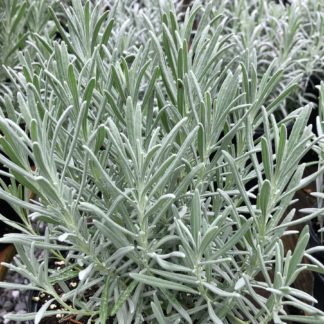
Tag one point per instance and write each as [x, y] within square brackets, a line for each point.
[319, 148]
[153, 187]
[19, 22]
[288, 37]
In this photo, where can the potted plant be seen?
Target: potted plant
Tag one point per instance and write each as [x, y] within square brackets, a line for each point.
[141, 224]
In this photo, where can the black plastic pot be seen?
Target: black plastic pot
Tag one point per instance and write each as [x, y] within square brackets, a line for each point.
[318, 278]
[7, 251]
[7, 211]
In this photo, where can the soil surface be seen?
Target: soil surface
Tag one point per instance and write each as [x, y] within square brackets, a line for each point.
[13, 301]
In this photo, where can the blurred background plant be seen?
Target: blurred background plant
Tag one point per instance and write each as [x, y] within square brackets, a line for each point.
[290, 38]
[19, 20]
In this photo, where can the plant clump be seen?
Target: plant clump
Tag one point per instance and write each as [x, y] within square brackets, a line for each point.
[158, 192]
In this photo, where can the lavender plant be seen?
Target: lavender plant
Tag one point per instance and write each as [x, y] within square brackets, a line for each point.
[289, 37]
[19, 22]
[319, 149]
[151, 184]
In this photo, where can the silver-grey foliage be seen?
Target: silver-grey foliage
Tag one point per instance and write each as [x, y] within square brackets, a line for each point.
[144, 155]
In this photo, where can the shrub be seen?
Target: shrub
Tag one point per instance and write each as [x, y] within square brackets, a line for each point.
[151, 183]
